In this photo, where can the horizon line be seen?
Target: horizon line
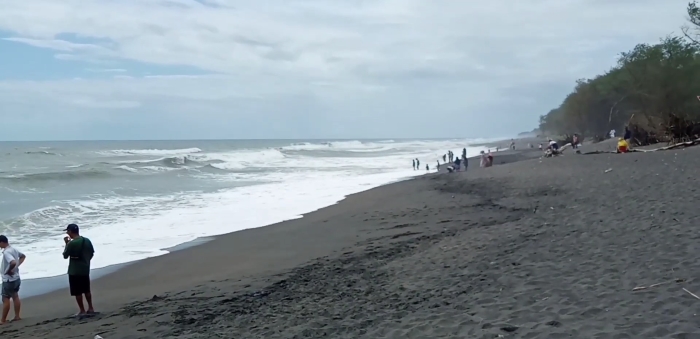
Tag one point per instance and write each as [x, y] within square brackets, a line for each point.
[256, 139]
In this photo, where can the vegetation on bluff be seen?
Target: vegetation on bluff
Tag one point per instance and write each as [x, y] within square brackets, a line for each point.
[653, 89]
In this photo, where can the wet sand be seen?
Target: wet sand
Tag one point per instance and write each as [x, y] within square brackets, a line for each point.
[535, 248]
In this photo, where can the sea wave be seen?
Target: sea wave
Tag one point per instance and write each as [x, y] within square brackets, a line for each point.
[161, 152]
[41, 153]
[154, 198]
[58, 175]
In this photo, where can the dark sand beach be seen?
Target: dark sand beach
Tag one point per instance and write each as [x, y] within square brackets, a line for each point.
[533, 248]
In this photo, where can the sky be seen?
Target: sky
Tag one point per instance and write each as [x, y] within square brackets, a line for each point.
[300, 69]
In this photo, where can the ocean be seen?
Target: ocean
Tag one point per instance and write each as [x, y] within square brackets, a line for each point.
[135, 199]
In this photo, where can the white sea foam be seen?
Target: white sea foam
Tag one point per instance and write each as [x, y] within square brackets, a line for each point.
[127, 228]
[156, 152]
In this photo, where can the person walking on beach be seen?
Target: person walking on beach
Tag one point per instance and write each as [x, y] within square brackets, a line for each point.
[79, 252]
[12, 259]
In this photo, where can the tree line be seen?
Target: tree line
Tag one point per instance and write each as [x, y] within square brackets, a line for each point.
[653, 89]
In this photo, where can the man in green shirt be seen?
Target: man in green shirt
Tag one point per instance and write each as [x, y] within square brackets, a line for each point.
[79, 252]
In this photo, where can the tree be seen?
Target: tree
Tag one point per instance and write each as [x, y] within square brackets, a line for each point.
[656, 84]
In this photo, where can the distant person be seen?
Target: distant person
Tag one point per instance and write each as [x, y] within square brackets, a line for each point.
[540, 147]
[12, 259]
[553, 145]
[417, 163]
[444, 158]
[465, 162]
[512, 144]
[484, 159]
[464, 153]
[612, 133]
[427, 167]
[438, 165]
[457, 164]
[79, 252]
[490, 159]
[414, 164]
[622, 146]
[574, 141]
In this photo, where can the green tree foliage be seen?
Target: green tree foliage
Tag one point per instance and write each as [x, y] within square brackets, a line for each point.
[653, 83]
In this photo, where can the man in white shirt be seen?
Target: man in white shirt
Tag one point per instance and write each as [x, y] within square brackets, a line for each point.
[12, 259]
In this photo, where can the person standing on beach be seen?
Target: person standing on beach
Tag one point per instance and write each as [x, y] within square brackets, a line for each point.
[79, 252]
[417, 163]
[414, 164]
[12, 259]
[438, 165]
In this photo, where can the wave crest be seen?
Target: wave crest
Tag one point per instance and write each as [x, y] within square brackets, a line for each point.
[156, 152]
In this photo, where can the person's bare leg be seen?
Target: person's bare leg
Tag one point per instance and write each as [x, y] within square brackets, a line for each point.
[79, 300]
[88, 297]
[18, 305]
[5, 309]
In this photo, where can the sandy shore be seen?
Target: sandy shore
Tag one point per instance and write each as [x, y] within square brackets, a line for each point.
[538, 248]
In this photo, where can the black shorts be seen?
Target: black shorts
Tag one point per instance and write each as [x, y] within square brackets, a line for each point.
[79, 284]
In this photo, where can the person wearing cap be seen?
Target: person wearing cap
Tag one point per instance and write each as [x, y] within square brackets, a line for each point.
[79, 252]
[12, 259]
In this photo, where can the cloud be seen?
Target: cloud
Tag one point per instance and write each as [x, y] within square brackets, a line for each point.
[408, 58]
[61, 45]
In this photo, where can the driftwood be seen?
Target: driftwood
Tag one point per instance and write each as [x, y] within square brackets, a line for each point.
[674, 146]
[691, 293]
[670, 128]
[639, 288]
[665, 148]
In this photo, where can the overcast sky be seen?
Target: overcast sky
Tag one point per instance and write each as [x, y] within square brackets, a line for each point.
[183, 69]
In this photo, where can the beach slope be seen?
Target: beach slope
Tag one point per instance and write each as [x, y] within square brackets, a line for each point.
[539, 248]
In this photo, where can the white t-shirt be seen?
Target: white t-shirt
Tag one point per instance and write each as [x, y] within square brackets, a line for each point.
[8, 255]
[552, 142]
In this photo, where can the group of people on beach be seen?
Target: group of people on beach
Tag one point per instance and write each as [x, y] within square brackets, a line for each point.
[79, 252]
[416, 165]
[457, 163]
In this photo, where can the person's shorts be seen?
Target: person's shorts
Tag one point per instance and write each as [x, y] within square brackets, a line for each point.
[10, 288]
[79, 284]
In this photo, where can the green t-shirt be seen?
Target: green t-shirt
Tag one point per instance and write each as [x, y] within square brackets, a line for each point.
[79, 252]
